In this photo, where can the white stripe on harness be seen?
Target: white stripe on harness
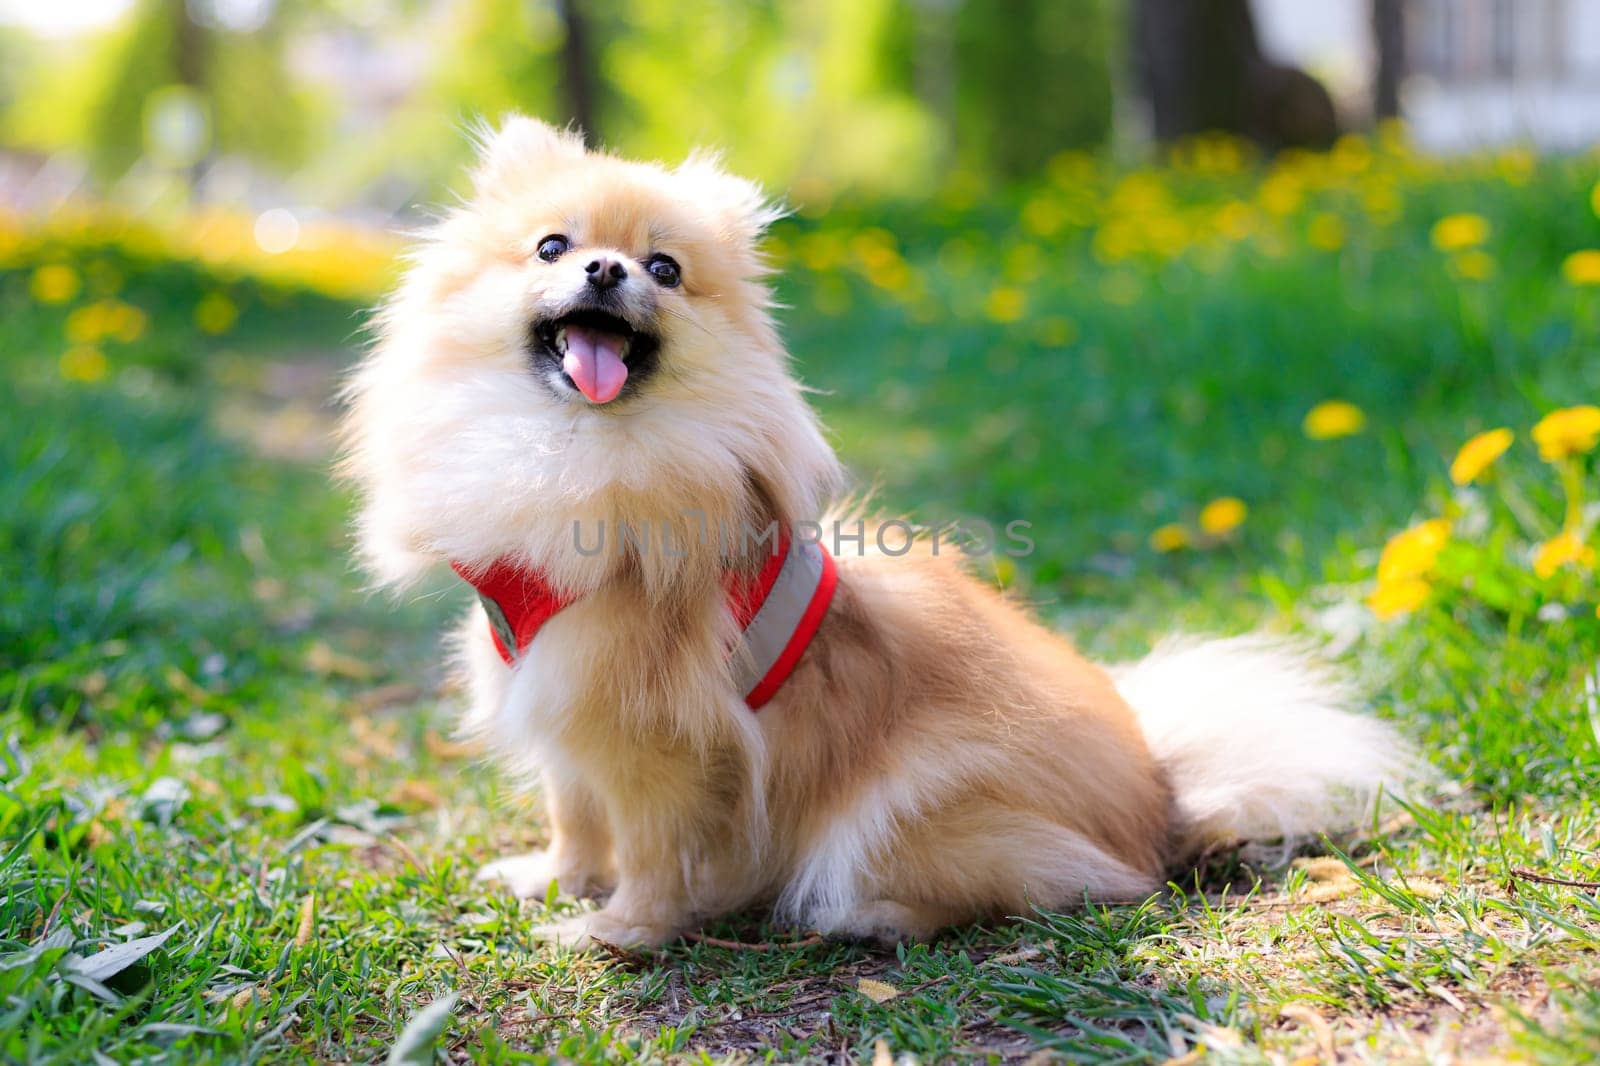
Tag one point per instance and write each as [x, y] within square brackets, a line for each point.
[774, 626]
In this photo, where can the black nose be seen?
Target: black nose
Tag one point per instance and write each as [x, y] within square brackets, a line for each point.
[605, 273]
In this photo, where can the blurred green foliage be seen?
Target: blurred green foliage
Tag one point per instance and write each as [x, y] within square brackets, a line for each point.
[1030, 83]
[880, 95]
[820, 97]
[799, 92]
[502, 55]
[13, 49]
[101, 99]
[234, 74]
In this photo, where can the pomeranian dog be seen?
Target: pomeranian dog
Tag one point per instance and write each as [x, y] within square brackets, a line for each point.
[578, 400]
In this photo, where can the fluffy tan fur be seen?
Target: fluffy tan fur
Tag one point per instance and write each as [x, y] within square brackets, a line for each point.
[936, 757]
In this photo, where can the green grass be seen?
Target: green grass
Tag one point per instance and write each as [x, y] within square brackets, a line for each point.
[207, 722]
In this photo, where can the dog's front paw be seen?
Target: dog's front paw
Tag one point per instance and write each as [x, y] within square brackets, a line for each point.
[598, 930]
[529, 876]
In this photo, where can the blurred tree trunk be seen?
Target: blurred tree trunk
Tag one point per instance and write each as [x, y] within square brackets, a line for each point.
[1015, 83]
[1192, 59]
[577, 68]
[189, 66]
[1388, 35]
[188, 46]
[1201, 67]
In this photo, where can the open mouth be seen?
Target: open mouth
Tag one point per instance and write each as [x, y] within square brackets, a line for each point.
[598, 353]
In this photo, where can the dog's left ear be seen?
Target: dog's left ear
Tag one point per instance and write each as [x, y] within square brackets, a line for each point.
[736, 206]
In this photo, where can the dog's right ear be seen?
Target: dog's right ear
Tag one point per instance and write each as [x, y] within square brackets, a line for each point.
[521, 145]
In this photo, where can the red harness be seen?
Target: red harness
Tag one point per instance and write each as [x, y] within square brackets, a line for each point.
[778, 611]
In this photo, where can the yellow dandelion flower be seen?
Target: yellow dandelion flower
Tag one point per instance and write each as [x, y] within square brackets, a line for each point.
[1582, 268]
[1394, 598]
[1567, 432]
[1475, 264]
[84, 364]
[1043, 217]
[879, 261]
[1352, 154]
[1411, 553]
[10, 238]
[1479, 454]
[1006, 303]
[1279, 192]
[127, 323]
[1326, 232]
[1115, 241]
[1455, 233]
[1005, 570]
[94, 322]
[821, 252]
[1560, 550]
[1169, 538]
[1235, 220]
[54, 283]
[1166, 235]
[1332, 419]
[1222, 516]
[216, 313]
[893, 277]
[86, 325]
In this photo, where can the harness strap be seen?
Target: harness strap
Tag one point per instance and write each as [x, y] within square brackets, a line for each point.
[780, 629]
[778, 611]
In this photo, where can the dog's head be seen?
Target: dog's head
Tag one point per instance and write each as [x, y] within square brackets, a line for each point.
[622, 273]
[586, 337]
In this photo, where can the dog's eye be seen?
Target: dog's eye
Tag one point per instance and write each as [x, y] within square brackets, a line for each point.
[665, 270]
[554, 247]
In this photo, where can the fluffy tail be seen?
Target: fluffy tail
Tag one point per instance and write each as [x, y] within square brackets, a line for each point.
[1258, 740]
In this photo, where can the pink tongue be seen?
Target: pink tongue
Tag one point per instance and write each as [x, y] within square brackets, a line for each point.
[594, 363]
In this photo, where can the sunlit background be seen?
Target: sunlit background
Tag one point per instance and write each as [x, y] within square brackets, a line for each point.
[1278, 314]
[359, 107]
[1070, 232]
[995, 205]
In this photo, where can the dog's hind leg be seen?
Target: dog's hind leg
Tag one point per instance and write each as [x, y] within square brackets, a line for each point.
[974, 860]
